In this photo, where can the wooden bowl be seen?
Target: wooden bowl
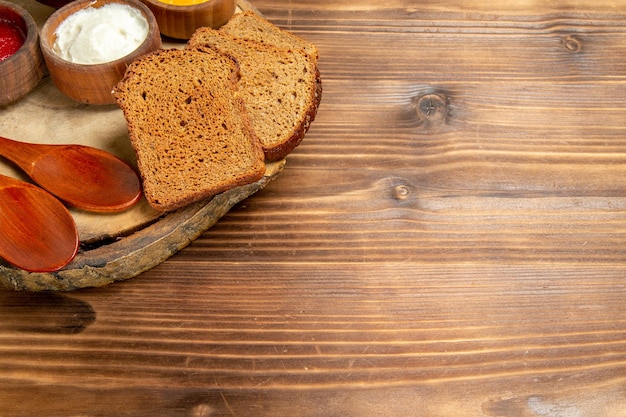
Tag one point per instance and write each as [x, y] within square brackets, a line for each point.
[180, 22]
[23, 70]
[92, 83]
[54, 3]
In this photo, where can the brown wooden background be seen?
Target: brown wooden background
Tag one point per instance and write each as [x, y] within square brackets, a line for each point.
[448, 241]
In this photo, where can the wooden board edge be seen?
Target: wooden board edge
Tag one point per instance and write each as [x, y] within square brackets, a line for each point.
[139, 252]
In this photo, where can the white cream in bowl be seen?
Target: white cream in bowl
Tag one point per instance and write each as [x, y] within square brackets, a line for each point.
[95, 35]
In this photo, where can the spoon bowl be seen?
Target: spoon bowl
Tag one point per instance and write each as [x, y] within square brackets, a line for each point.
[82, 176]
[38, 233]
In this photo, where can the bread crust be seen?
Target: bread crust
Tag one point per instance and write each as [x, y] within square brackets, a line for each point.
[250, 26]
[282, 150]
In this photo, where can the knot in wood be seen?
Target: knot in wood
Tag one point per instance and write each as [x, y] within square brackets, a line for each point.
[432, 107]
[572, 44]
[401, 192]
[202, 410]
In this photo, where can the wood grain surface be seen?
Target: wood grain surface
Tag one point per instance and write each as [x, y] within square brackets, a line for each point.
[449, 240]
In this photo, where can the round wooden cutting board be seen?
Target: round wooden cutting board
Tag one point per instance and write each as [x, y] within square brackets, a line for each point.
[115, 246]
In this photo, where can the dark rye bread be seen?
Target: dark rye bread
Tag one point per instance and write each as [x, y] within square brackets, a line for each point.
[281, 88]
[250, 26]
[188, 126]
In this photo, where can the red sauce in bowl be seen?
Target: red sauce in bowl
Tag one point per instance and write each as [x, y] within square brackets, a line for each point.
[11, 38]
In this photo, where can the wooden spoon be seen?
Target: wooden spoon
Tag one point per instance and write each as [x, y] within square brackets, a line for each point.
[37, 233]
[82, 176]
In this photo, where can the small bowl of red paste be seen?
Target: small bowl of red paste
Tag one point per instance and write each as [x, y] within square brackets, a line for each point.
[21, 62]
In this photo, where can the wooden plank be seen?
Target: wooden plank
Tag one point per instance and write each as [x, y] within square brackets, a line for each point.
[405, 264]
[305, 339]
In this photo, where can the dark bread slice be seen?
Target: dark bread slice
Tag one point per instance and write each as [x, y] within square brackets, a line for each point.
[188, 126]
[281, 88]
[250, 26]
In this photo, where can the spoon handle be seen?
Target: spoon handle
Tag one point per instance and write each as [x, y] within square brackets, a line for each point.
[22, 154]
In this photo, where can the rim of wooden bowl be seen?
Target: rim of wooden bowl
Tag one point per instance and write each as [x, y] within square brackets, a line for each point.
[180, 22]
[55, 3]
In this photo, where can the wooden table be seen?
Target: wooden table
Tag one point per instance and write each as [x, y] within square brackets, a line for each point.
[448, 241]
